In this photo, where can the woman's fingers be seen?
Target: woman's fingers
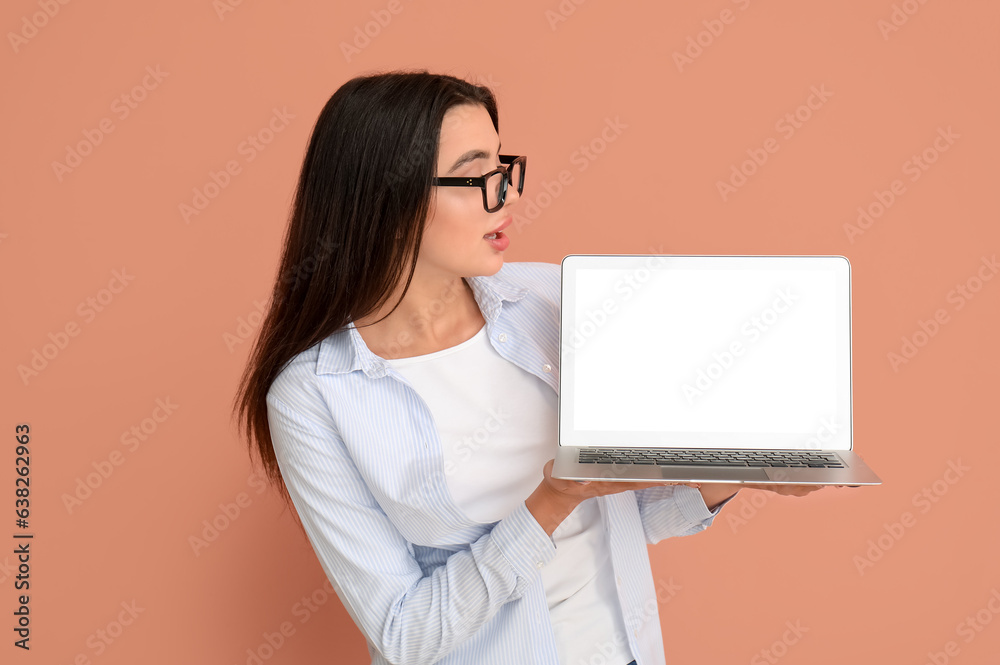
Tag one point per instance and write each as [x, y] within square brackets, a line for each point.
[785, 490]
[589, 488]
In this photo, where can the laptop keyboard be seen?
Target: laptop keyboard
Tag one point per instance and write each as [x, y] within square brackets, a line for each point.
[723, 458]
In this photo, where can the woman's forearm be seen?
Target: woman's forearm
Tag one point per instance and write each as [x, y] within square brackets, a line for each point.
[716, 493]
[549, 508]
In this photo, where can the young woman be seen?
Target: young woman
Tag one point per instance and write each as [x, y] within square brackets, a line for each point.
[401, 395]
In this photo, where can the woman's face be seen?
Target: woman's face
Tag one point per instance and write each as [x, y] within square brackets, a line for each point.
[458, 235]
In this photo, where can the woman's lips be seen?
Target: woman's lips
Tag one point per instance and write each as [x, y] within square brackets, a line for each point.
[500, 228]
[498, 239]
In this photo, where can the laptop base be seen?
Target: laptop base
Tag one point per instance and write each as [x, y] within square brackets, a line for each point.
[855, 472]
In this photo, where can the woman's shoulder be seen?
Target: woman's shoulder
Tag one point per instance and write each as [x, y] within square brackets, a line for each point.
[530, 270]
[295, 376]
[534, 276]
[299, 379]
[531, 292]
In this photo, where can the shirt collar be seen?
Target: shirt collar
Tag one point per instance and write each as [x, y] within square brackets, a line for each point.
[345, 351]
[491, 292]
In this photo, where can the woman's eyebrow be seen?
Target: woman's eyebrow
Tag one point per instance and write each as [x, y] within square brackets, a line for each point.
[471, 156]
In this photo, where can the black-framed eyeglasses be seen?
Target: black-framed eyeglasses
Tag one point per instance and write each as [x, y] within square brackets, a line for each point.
[494, 184]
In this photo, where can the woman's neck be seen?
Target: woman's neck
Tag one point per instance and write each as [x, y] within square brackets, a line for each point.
[436, 313]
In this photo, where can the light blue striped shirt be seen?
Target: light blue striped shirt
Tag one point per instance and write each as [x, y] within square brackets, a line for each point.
[363, 463]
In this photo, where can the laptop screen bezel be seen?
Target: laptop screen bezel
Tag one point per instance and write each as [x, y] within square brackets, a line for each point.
[833, 433]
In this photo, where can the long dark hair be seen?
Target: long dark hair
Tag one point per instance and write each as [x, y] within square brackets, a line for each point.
[355, 226]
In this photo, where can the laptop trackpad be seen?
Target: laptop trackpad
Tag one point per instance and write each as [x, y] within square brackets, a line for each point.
[708, 475]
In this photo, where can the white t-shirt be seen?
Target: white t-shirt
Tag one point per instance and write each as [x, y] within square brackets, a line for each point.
[497, 425]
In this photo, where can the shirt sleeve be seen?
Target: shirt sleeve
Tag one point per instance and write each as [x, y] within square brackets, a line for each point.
[674, 510]
[408, 616]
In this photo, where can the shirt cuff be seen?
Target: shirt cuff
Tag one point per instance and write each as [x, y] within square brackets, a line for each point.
[692, 505]
[523, 542]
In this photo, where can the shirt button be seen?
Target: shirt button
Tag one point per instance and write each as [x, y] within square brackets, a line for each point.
[619, 580]
[539, 564]
[502, 337]
[546, 368]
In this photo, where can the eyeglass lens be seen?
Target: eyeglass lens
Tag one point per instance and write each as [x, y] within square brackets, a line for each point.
[495, 183]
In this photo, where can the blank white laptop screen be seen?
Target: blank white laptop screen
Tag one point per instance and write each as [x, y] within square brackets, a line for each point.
[714, 351]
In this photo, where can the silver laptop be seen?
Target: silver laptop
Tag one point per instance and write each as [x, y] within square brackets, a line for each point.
[707, 369]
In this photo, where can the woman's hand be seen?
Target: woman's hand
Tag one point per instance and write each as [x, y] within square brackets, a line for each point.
[716, 493]
[785, 490]
[554, 498]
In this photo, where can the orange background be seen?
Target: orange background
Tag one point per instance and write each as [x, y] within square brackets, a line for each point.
[562, 72]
